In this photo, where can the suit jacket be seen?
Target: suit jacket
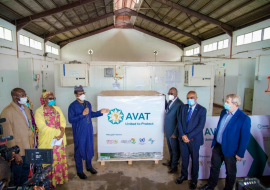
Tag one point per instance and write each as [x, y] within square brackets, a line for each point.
[236, 135]
[195, 125]
[171, 118]
[17, 126]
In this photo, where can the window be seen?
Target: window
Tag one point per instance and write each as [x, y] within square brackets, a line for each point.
[216, 45]
[190, 52]
[249, 38]
[52, 50]
[266, 33]
[5, 33]
[196, 50]
[24, 40]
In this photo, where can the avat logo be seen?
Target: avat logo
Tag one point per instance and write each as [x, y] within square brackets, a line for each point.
[260, 126]
[115, 116]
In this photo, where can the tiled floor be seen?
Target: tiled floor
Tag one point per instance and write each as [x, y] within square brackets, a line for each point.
[143, 175]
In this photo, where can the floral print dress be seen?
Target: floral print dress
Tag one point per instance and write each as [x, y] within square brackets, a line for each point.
[59, 173]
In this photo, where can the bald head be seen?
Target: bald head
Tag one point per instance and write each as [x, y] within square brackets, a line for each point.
[4, 172]
[192, 98]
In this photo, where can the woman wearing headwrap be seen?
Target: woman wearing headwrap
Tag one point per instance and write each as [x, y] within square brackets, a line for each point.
[51, 124]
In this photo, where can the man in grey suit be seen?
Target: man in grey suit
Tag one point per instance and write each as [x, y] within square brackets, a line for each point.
[171, 129]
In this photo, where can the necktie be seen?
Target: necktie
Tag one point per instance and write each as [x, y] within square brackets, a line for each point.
[188, 117]
[168, 106]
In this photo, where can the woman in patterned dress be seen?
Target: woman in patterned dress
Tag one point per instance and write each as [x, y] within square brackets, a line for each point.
[51, 124]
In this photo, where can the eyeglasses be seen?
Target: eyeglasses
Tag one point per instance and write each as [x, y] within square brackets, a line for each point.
[170, 93]
[51, 98]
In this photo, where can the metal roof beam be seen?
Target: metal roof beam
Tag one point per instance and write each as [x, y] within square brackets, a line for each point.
[26, 20]
[63, 43]
[126, 11]
[51, 35]
[159, 37]
[225, 27]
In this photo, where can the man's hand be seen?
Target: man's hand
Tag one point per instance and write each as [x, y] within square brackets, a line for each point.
[38, 188]
[238, 158]
[173, 137]
[85, 111]
[18, 159]
[185, 139]
[104, 111]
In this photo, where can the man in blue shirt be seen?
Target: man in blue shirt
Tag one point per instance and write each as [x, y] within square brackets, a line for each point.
[230, 142]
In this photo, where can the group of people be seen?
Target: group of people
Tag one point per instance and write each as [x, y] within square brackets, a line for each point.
[184, 124]
[50, 122]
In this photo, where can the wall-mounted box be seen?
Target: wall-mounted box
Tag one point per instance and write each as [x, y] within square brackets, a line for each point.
[74, 74]
[198, 75]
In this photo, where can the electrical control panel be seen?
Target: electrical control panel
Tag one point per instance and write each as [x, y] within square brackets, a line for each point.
[74, 74]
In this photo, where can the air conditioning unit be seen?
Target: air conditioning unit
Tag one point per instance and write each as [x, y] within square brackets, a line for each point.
[198, 75]
[74, 74]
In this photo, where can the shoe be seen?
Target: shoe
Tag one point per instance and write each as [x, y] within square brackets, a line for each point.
[173, 170]
[180, 179]
[193, 185]
[82, 175]
[166, 164]
[92, 170]
[206, 187]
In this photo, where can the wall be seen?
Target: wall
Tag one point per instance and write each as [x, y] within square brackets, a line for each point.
[251, 50]
[261, 100]
[121, 45]
[143, 74]
[239, 75]
[9, 64]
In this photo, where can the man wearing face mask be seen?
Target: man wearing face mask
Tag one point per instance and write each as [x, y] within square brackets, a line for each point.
[171, 130]
[230, 142]
[191, 122]
[79, 115]
[19, 125]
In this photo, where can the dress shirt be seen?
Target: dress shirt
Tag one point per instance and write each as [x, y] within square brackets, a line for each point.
[172, 102]
[223, 124]
[23, 111]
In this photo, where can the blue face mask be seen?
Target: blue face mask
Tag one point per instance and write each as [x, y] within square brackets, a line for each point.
[27, 104]
[227, 106]
[191, 102]
[51, 102]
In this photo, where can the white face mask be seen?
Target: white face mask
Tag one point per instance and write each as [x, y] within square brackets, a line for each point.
[171, 97]
[23, 100]
[82, 97]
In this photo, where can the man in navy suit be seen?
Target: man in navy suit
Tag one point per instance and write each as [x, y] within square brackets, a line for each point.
[230, 142]
[171, 130]
[191, 121]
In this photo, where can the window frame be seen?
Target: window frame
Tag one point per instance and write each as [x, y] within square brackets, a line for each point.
[4, 33]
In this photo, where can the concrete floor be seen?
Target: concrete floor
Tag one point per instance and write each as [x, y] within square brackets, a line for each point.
[141, 175]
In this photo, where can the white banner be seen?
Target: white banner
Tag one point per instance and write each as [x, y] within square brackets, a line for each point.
[134, 124]
[256, 161]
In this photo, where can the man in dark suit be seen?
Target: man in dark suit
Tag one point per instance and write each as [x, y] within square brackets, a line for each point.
[191, 121]
[230, 142]
[171, 130]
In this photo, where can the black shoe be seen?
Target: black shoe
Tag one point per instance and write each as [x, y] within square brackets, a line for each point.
[173, 170]
[92, 170]
[193, 185]
[82, 175]
[180, 179]
[206, 187]
[166, 164]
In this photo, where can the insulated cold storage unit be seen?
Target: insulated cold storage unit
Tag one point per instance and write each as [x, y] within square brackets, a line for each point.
[74, 74]
[198, 75]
